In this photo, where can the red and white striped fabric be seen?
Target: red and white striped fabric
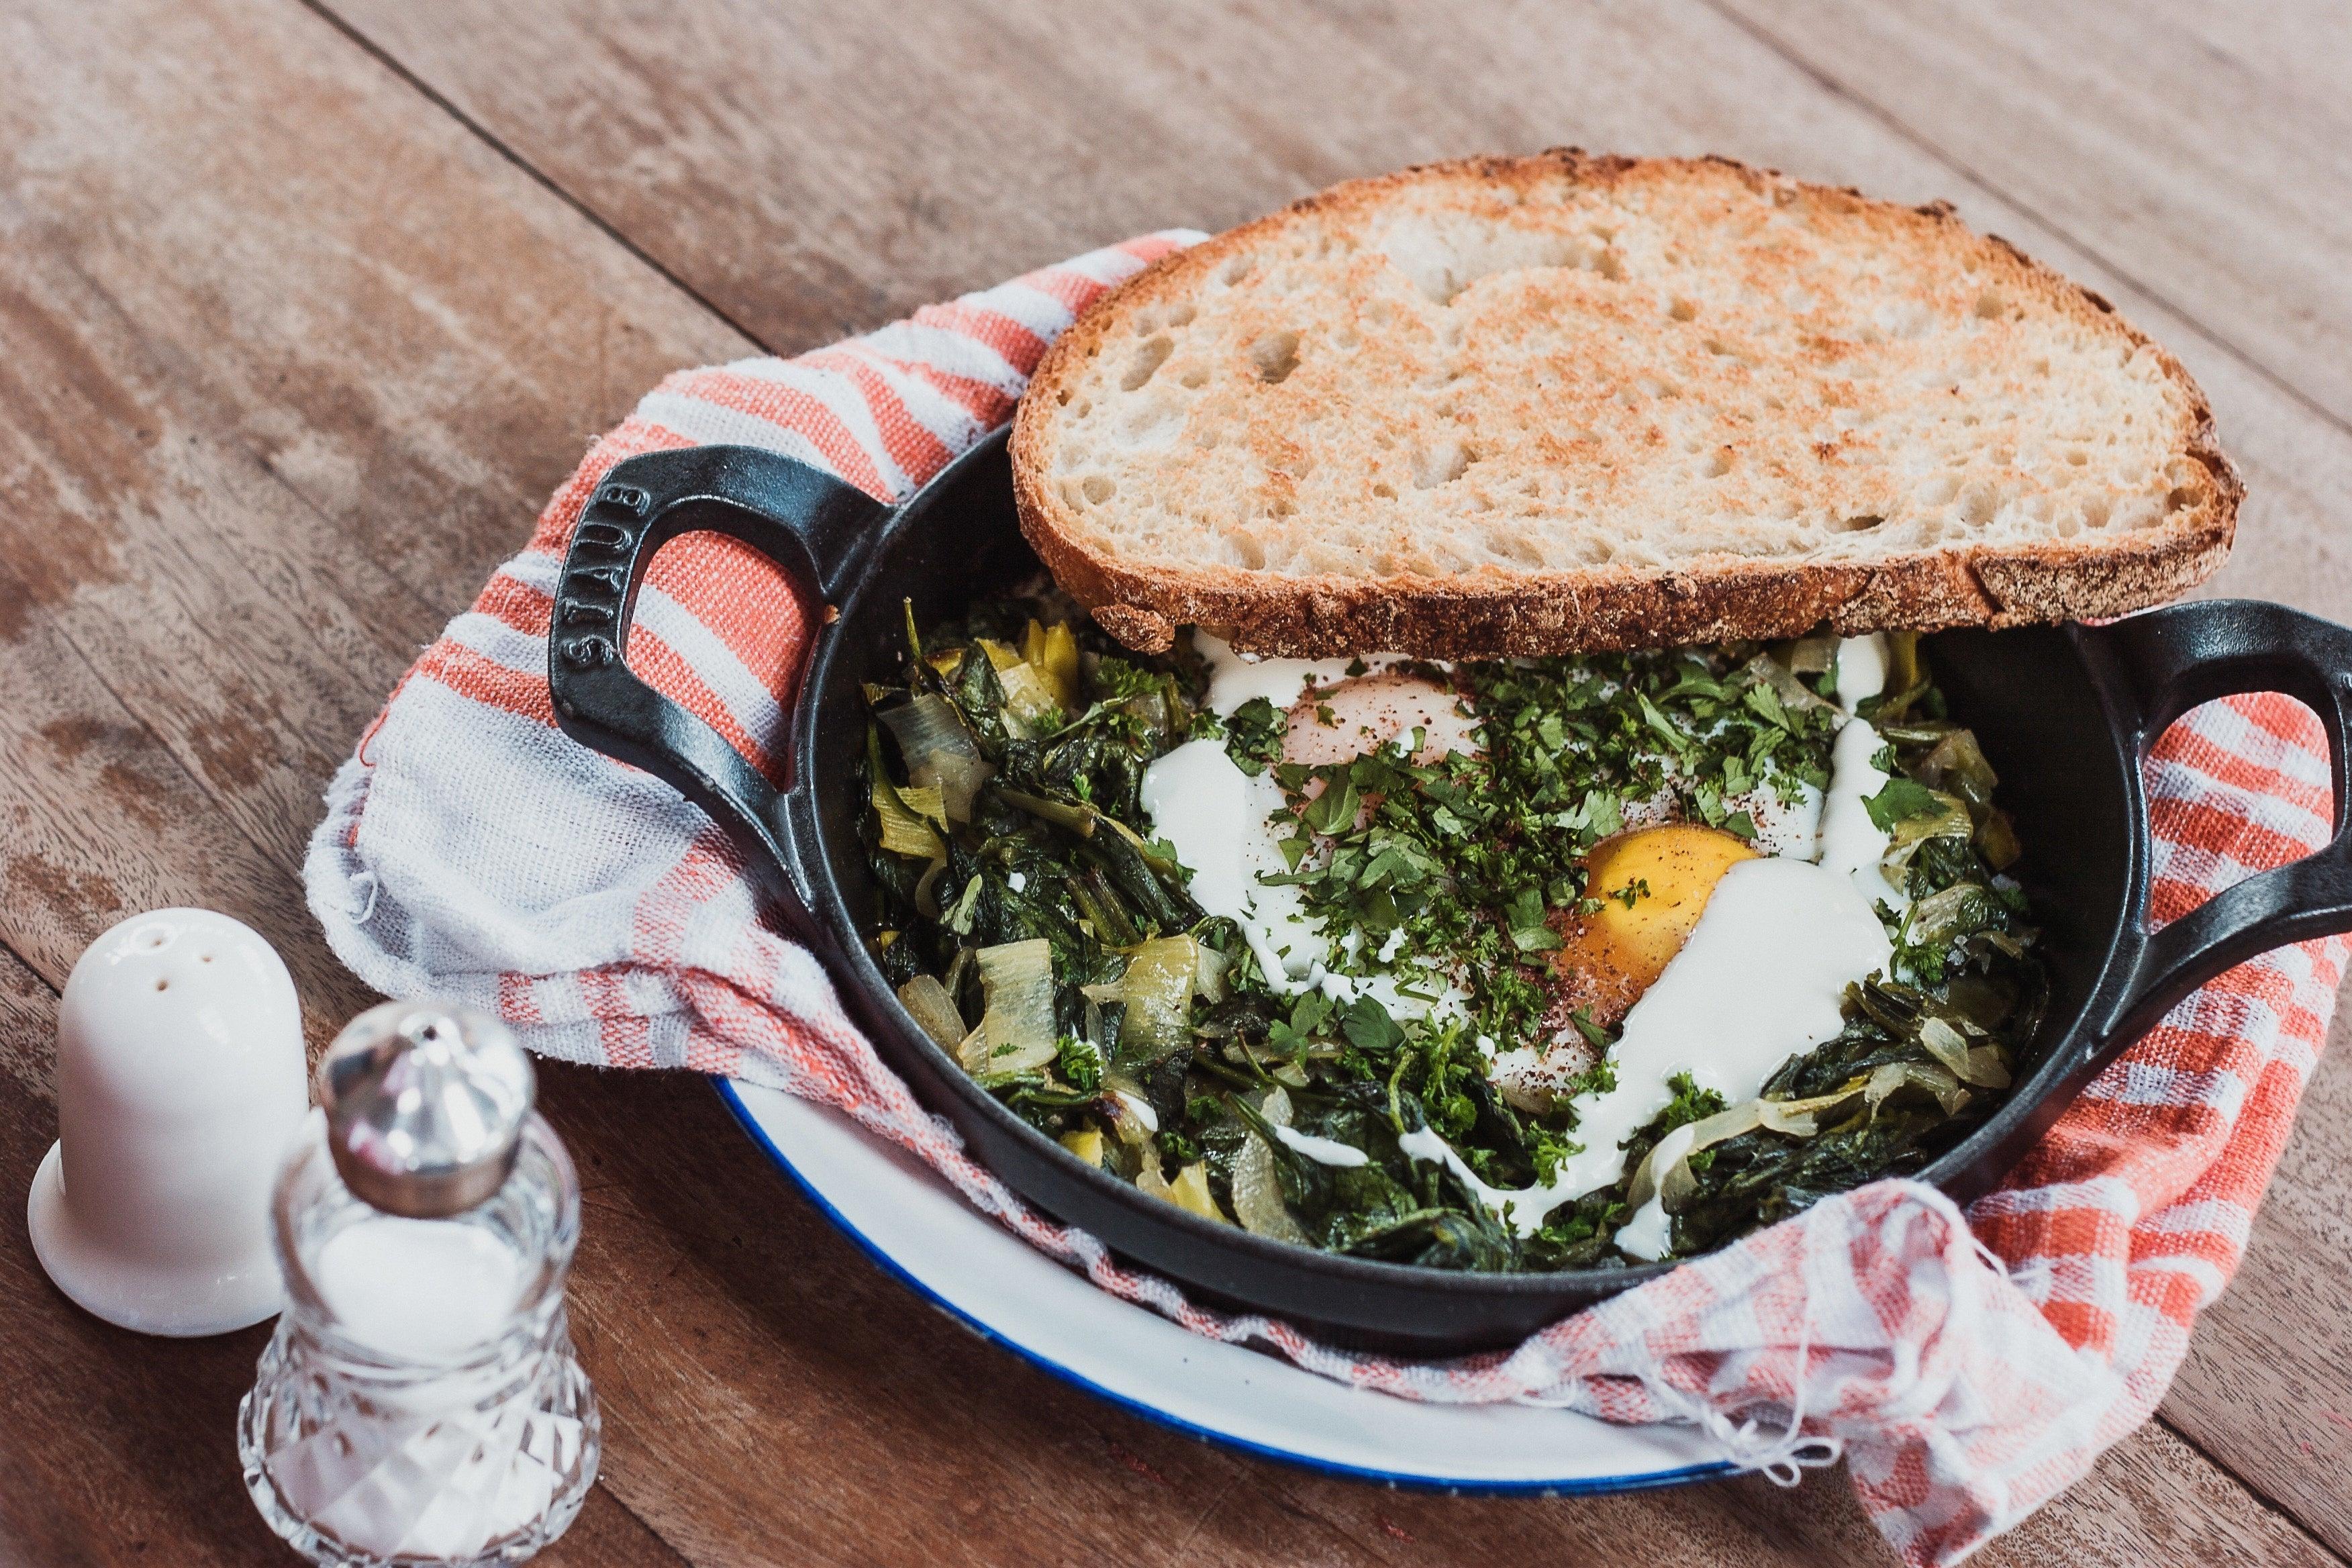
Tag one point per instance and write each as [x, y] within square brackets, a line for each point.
[1968, 1367]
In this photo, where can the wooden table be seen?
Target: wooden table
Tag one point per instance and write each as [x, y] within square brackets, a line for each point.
[305, 305]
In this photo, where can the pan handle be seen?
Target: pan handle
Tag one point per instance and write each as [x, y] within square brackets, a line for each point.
[2163, 663]
[813, 526]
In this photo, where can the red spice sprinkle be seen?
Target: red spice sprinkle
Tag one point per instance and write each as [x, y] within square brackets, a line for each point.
[1135, 1461]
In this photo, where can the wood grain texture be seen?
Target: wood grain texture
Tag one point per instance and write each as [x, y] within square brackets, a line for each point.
[2268, 1387]
[814, 169]
[119, 1449]
[2199, 149]
[783, 1406]
[290, 358]
[704, 151]
[292, 413]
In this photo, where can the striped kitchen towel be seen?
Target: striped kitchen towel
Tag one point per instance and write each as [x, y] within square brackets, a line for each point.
[1968, 1366]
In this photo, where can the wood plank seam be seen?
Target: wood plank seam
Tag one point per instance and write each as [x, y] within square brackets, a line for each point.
[482, 133]
[216, 796]
[1897, 126]
[55, 990]
[10, 950]
[294, 872]
[676, 1554]
[2277, 1509]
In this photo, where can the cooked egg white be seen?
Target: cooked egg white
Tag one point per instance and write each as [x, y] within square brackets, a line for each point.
[1221, 821]
[1759, 981]
[1236, 677]
[1757, 978]
[1792, 826]
[1342, 722]
[1737, 960]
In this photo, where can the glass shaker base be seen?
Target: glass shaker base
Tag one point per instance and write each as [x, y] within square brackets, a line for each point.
[354, 1473]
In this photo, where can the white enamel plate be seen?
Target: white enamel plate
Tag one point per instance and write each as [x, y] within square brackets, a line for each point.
[917, 1226]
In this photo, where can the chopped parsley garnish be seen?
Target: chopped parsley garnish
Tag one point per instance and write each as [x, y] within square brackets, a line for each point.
[1691, 1103]
[1254, 735]
[1472, 857]
[1080, 1063]
[1901, 799]
[1448, 883]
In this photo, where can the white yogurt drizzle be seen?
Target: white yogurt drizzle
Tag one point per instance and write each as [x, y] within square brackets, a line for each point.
[1424, 1145]
[1851, 844]
[1322, 1151]
[1859, 669]
[1236, 678]
[1759, 981]
[1650, 1232]
[1216, 817]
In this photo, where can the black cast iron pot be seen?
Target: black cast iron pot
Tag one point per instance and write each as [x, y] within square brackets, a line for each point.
[2065, 714]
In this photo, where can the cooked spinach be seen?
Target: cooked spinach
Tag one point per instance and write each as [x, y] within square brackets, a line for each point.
[1041, 933]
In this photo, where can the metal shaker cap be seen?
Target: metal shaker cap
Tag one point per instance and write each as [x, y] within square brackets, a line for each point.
[425, 1104]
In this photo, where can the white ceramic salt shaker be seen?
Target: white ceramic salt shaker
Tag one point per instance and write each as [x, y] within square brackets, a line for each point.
[180, 1084]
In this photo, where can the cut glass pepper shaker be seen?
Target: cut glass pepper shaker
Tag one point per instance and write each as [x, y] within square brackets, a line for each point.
[420, 1404]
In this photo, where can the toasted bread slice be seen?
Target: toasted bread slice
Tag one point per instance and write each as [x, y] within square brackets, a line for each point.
[1563, 402]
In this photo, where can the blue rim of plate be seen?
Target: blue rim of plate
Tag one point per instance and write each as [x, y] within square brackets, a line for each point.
[1582, 1485]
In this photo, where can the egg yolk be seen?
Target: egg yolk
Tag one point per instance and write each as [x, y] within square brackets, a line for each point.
[1653, 885]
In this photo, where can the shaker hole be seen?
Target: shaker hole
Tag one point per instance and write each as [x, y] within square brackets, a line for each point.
[162, 986]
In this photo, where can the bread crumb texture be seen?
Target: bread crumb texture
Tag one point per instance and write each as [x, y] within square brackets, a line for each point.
[1564, 368]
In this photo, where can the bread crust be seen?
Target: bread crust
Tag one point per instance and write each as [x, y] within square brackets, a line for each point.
[1709, 599]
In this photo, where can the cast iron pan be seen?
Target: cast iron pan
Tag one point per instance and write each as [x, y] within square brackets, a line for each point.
[2065, 714]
